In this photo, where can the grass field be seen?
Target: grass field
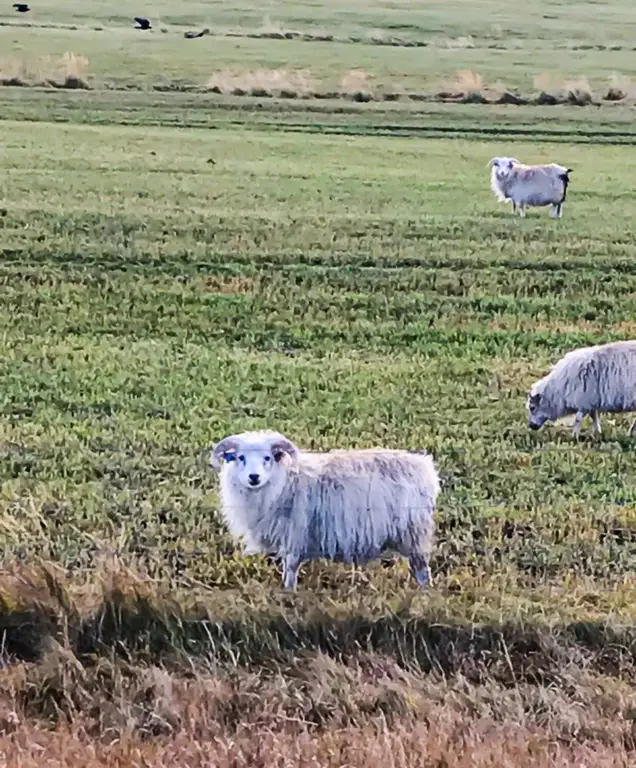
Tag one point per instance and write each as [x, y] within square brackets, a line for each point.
[179, 264]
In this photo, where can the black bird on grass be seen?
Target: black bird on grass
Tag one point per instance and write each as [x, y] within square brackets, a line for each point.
[193, 35]
[21, 7]
[143, 23]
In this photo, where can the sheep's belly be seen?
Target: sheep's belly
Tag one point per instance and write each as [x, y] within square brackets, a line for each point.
[536, 201]
[348, 558]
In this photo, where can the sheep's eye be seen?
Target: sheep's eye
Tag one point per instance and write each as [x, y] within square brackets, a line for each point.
[267, 459]
[242, 459]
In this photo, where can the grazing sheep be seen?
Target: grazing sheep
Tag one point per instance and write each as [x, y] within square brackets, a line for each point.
[590, 380]
[142, 22]
[529, 185]
[342, 505]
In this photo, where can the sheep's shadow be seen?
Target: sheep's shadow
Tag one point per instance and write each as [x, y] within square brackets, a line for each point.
[509, 653]
[135, 626]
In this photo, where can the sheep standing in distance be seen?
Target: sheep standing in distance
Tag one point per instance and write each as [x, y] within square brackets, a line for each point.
[587, 381]
[341, 505]
[529, 185]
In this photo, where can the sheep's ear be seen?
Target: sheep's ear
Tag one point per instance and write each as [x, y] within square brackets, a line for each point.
[225, 449]
[284, 446]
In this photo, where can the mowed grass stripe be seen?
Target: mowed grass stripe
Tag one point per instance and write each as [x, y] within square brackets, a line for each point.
[609, 125]
[276, 313]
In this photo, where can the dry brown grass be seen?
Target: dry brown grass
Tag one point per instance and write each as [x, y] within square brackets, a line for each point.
[66, 71]
[273, 30]
[620, 87]
[317, 711]
[468, 86]
[443, 741]
[116, 670]
[460, 43]
[357, 84]
[282, 83]
[263, 82]
[556, 90]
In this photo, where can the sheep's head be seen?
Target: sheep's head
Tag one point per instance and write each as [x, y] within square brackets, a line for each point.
[253, 458]
[502, 166]
[536, 416]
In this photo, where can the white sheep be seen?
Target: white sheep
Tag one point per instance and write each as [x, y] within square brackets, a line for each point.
[590, 380]
[529, 185]
[341, 505]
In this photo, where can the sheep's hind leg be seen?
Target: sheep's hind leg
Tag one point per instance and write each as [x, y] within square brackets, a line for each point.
[291, 564]
[632, 429]
[596, 421]
[577, 424]
[420, 570]
[522, 210]
[556, 211]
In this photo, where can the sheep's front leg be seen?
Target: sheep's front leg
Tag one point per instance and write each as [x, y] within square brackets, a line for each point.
[514, 207]
[597, 422]
[420, 570]
[577, 424]
[291, 564]
[250, 547]
[522, 210]
[630, 431]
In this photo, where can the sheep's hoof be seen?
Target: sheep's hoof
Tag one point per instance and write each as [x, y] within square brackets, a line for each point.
[290, 582]
[423, 578]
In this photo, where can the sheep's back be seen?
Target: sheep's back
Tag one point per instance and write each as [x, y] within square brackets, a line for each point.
[352, 503]
[616, 366]
[602, 377]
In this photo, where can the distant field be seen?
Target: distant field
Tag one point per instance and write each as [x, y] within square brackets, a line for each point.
[179, 264]
[504, 47]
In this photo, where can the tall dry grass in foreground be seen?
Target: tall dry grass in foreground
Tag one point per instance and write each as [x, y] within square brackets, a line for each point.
[262, 82]
[118, 671]
[445, 741]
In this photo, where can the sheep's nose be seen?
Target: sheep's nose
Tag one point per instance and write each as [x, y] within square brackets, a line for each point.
[254, 479]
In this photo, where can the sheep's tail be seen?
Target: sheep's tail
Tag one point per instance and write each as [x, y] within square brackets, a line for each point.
[565, 178]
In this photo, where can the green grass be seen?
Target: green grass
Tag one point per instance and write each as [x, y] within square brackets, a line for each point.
[153, 302]
[508, 45]
[176, 266]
